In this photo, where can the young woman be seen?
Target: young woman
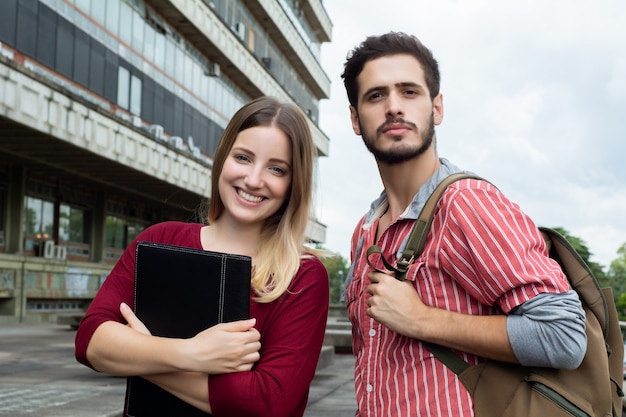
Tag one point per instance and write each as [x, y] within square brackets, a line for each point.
[261, 195]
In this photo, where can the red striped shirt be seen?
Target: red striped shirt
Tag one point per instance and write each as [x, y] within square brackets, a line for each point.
[483, 256]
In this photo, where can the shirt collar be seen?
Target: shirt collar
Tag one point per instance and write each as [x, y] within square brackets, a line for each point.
[378, 206]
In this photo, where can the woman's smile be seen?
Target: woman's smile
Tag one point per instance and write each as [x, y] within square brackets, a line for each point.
[249, 197]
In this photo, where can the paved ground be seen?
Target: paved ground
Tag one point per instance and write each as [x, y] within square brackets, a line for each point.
[40, 377]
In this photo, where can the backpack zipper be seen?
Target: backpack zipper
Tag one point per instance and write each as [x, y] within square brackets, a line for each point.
[558, 399]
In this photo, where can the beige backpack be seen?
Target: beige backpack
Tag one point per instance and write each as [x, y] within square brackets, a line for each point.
[504, 389]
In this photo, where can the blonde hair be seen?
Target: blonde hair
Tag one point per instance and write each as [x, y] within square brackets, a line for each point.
[283, 233]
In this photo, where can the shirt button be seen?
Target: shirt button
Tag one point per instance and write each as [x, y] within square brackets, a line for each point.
[369, 388]
[372, 332]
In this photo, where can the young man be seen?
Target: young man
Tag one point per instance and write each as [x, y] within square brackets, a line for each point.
[484, 284]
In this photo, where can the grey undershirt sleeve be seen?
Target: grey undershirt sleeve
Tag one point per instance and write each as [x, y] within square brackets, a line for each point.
[548, 330]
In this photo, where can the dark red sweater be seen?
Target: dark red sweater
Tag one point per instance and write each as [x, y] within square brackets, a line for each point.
[292, 332]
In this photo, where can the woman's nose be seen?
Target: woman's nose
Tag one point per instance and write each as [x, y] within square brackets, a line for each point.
[254, 179]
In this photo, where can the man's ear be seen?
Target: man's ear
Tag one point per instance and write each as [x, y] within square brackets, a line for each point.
[354, 117]
[438, 109]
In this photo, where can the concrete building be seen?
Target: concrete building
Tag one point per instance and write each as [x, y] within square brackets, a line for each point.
[110, 112]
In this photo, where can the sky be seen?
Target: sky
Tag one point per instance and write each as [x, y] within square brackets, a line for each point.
[534, 96]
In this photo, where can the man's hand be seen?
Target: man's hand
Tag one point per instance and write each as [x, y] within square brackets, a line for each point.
[395, 304]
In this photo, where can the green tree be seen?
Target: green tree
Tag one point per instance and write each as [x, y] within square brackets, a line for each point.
[617, 279]
[337, 267]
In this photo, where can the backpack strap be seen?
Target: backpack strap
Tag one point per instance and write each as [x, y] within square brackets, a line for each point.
[413, 248]
[447, 357]
[417, 238]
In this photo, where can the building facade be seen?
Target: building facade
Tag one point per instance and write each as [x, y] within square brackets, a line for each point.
[110, 112]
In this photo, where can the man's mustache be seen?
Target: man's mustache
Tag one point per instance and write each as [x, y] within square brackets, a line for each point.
[395, 121]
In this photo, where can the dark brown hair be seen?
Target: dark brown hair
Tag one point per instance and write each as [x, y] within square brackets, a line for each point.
[391, 43]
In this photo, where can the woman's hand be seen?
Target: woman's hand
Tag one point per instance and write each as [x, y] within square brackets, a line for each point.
[224, 348]
[221, 349]
[132, 320]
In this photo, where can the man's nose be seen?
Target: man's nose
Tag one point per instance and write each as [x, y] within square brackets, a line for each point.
[394, 106]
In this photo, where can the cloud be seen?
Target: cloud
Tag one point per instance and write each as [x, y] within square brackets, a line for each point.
[616, 86]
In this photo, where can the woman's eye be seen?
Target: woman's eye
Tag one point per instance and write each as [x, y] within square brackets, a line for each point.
[278, 170]
[242, 158]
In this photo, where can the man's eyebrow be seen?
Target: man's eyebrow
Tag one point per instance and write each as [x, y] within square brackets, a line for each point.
[411, 84]
[382, 88]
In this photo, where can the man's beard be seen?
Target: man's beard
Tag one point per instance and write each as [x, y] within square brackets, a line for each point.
[403, 154]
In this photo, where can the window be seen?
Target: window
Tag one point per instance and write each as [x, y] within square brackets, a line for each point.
[149, 43]
[123, 88]
[39, 217]
[179, 65]
[55, 305]
[71, 221]
[26, 21]
[120, 232]
[80, 71]
[8, 11]
[135, 95]
[46, 36]
[111, 73]
[113, 16]
[2, 214]
[125, 23]
[97, 67]
[159, 50]
[170, 57]
[2, 207]
[138, 32]
[65, 48]
[187, 67]
[84, 5]
[98, 11]
[129, 90]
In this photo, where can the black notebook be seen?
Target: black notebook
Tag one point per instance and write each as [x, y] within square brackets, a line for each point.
[180, 292]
